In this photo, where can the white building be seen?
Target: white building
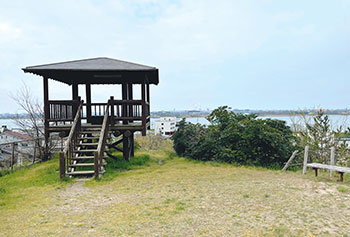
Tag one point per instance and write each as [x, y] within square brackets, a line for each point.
[165, 126]
[23, 147]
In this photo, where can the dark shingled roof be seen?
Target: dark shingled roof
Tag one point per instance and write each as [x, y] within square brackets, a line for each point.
[96, 71]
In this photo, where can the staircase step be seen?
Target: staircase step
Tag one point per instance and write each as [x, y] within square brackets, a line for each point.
[89, 150]
[86, 157]
[81, 164]
[81, 172]
[88, 144]
[85, 151]
[88, 138]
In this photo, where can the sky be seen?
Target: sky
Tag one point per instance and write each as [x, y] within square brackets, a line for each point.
[262, 54]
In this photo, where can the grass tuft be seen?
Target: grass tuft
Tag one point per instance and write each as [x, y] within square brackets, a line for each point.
[115, 167]
[343, 189]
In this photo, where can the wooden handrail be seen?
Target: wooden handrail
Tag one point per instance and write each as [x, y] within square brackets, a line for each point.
[119, 102]
[73, 129]
[66, 155]
[63, 101]
[130, 102]
[102, 142]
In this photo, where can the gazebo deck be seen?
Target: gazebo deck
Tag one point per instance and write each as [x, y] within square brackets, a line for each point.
[132, 126]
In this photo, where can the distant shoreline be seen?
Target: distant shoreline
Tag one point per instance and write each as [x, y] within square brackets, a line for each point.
[259, 115]
[204, 116]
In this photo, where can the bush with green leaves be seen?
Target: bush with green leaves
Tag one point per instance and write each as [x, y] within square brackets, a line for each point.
[236, 138]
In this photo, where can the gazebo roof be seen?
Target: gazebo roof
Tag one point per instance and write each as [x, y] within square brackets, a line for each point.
[96, 71]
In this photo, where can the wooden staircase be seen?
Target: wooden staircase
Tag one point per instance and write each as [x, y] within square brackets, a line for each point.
[82, 162]
[86, 148]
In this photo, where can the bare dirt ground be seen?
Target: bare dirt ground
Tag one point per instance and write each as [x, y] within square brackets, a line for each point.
[183, 198]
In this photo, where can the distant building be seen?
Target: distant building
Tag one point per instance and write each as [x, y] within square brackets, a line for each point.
[165, 126]
[23, 147]
[7, 136]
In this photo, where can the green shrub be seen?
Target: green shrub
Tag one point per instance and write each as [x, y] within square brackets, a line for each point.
[236, 138]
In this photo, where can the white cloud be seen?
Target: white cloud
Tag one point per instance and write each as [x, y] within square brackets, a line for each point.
[8, 32]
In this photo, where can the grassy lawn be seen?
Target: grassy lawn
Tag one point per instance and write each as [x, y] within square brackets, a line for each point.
[179, 198]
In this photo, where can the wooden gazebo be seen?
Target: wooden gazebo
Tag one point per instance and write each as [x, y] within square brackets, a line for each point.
[89, 126]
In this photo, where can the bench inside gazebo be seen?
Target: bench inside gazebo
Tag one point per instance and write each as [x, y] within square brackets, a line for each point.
[89, 127]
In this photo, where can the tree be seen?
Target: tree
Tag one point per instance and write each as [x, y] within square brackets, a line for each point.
[236, 138]
[318, 132]
[32, 123]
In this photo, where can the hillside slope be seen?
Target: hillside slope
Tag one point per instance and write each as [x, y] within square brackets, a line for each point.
[179, 198]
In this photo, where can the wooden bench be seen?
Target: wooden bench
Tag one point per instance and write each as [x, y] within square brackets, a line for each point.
[338, 169]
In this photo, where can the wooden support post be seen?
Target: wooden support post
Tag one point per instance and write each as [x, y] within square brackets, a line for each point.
[74, 97]
[316, 171]
[341, 176]
[62, 165]
[290, 160]
[130, 97]
[143, 91]
[306, 153]
[148, 95]
[34, 153]
[46, 119]
[132, 145]
[88, 101]
[148, 104]
[125, 147]
[332, 160]
[13, 156]
[75, 92]
[96, 165]
[124, 97]
[112, 110]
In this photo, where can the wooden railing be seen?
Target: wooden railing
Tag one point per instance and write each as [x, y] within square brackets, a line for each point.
[67, 154]
[127, 110]
[98, 155]
[62, 110]
[120, 111]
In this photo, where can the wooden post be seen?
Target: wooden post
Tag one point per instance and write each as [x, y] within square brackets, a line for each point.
[130, 97]
[126, 145]
[290, 160]
[132, 145]
[88, 101]
[34, 155]
[341, 176]
[74, 98]
[148, 104]
[75, 92]
[148, 95]
[332, 160]
[131, 114]
[143, 92]
[62, 165]
[316, 169]
[112, 110]
[96, 164]
[46, 115]
[125, 148]
[124, 106]
[13, 156]
[306, 153]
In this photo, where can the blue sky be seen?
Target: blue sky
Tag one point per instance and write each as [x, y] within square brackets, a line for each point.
[265, 54]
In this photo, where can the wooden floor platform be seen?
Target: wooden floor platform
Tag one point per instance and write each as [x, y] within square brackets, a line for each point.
[134, 126]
